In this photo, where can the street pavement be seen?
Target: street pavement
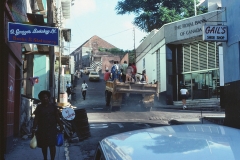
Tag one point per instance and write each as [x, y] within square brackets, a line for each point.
[22, 151]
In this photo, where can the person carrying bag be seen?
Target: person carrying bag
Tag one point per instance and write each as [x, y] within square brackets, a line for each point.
[33, 142]
[45, 125]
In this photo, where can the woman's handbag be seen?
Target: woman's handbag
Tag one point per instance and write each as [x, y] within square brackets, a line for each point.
[33, 142]
[59, 139]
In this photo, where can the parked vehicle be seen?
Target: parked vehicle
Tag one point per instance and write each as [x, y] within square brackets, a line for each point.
[87, 70]
[177, 142]
[93, 76]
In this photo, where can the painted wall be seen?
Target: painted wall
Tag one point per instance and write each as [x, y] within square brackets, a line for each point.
[146, 43]
[125, 58]
[10, 97]
[40, 69]
[11, 84]
[231, 49]
[106, 61]
[147, 58]
[163, 69]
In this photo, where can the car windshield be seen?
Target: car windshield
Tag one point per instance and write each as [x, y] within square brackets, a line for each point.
[94, 73]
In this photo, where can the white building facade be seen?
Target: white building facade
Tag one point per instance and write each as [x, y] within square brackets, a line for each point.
[175, 55]
[231, 64]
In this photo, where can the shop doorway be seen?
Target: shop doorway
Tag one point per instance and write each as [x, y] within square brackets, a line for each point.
[201, 85]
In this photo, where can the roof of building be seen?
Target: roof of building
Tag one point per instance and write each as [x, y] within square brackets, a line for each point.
[95, 42]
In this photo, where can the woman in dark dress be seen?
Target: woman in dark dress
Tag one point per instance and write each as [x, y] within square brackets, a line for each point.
[46, 120]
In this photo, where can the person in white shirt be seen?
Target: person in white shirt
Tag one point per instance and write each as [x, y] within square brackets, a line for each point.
[184, 94]
[84, 89]
[117, 65]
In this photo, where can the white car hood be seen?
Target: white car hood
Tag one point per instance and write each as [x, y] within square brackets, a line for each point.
[187, 142]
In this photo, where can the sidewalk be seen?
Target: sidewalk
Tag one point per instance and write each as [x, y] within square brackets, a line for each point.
[22, 151]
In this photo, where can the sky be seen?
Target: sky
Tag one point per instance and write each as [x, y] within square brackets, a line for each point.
[98, 17]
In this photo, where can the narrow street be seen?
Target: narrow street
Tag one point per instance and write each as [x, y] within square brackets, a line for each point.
[103, 122]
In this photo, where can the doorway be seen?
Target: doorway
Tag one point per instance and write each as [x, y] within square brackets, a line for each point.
[201, 85]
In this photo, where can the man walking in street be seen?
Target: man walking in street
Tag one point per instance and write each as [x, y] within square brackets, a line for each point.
[84, 89]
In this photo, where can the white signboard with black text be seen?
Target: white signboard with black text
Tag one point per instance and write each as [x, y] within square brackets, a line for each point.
[216, 33]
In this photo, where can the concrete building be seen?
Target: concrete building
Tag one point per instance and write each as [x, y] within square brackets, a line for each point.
[19, 62]
[176, 55]
[84, 55]
[231, 64]
[11, 68]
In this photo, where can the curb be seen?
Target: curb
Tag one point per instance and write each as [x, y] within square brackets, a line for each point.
[66, 151]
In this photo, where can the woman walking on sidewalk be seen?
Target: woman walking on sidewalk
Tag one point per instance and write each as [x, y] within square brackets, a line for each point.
[45, 124]
[84, 89]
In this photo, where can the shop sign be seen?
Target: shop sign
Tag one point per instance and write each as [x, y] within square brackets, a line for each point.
[33, 34]
[68, 113]
[189, 28]
[216, 33]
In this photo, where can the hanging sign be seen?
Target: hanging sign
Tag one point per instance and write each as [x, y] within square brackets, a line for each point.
[68, 113]
[217, 33]
[24, 33]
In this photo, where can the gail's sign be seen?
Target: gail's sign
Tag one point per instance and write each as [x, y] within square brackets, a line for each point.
[216, 33]
[42, 35]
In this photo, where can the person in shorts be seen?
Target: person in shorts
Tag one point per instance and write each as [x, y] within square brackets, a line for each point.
[184, 95]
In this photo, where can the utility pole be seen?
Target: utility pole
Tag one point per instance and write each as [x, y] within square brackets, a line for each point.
[51, 52]
[60, 55]
[134, 45]
[195, 7]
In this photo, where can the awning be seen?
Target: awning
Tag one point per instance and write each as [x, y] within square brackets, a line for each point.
[36, 19]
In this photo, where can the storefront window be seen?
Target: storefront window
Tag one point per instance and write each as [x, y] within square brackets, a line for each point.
[215, 84]
[202, 85]
[186, 81]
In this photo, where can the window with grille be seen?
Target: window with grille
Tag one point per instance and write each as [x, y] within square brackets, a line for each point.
[198, 56]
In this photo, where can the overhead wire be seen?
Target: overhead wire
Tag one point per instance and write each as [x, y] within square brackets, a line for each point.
[109, 35]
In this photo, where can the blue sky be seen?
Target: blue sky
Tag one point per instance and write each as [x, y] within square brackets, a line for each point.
[98, 17]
